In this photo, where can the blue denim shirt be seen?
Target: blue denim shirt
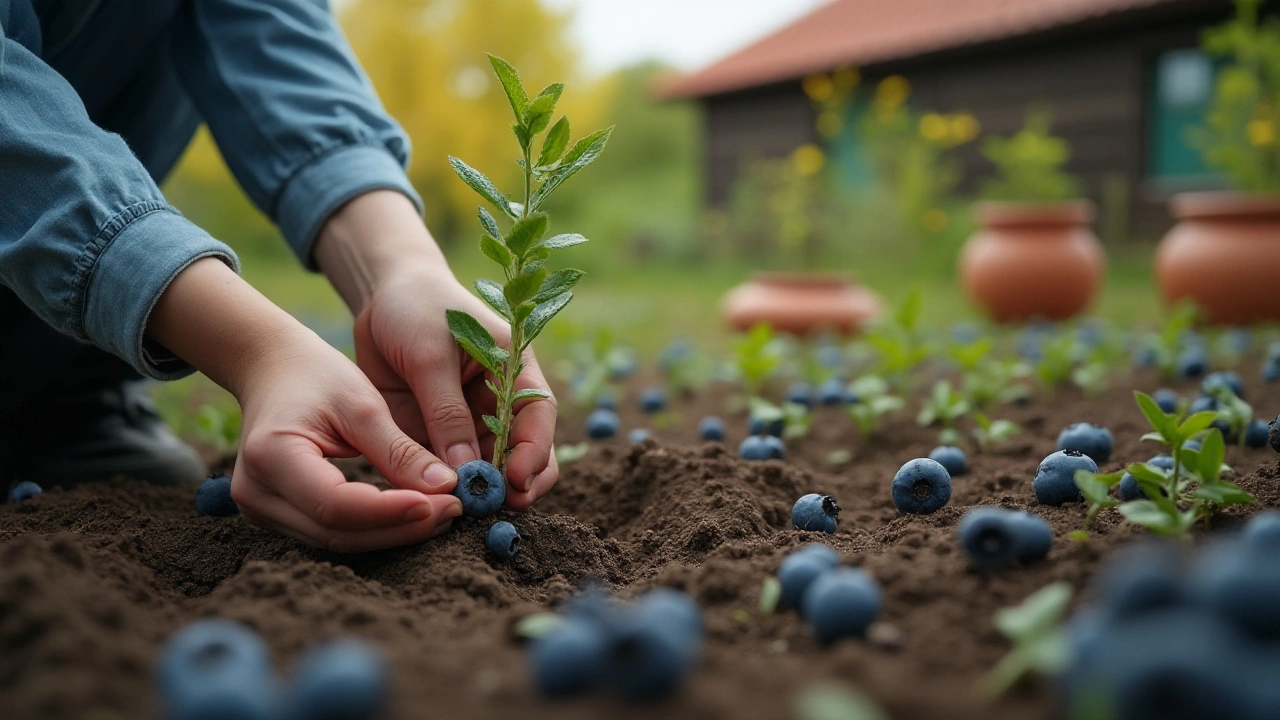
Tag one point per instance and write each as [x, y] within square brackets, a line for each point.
[98, 98]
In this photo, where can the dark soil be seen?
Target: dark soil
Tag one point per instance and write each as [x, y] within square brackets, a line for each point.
[93, 580]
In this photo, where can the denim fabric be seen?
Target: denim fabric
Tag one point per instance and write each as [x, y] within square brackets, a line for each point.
[98, 98]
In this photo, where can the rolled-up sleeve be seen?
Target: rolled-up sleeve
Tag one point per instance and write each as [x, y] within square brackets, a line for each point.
[295, 117]
[87, 240]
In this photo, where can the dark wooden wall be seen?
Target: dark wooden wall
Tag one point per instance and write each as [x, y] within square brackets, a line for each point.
[1094, 78]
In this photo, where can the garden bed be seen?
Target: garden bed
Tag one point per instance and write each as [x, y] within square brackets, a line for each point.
[93, 580]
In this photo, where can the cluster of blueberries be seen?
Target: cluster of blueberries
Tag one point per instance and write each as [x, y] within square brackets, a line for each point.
[995, 537]
[642, 651]
[837, 602]
[215, 669]
[603, 422]
[1173, 637]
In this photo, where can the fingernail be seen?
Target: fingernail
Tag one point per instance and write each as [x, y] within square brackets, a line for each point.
[439, 475]
[418, 513]
[453, 509]
[460, 454]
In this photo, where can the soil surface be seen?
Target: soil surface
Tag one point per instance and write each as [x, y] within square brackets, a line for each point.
[94, 579]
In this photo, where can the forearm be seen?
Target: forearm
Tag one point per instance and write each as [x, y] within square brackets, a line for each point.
[373, 238]
[218, 323]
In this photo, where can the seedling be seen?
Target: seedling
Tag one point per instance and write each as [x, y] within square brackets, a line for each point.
[220, 428]
[756, 356]
[796, 418]
[1039, 642]
[594, 363]
[1176, 499]
[874, 401]
[944, 406]
[684, 369]
[1057, 361]
[993, 432]
[1168, 343]
[993, 382]
[898, 342]
[1233, 412]
[1096, 489]
[532, 294]
[829, 701]
[569, 454]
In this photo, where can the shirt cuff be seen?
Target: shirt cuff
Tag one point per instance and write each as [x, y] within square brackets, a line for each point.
[136, 265]
[326, 183]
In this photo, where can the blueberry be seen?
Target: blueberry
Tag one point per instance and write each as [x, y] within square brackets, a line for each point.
[1164, 462]
[843, 602]
[214, 497]
[1055, 481]
[756, 426]
[1273, 434]
[339, 680]
[711, 429]
[1242, 584]
[569, 659]
[602, 424]
[606, 402]
[989, 537]
[1130, 489]
[24, 490]
[952, 458]
[815, 512]
[1035, 537]
[1256, 434]
[1145, 356]
[1204, 403]
[1167, 399]
[800, 393]
[594, 604]
[216, 669]
[799, 569]
[1271, 371]
[481, 489]
[1139, 580]
[921, 486]
[831, 392]
[637, 436]
[1092, 440]
[503, 540]
[645, 659]
[653, 400]
[1192, 362]
[665, 606]
[1262, 532]
[1225, 379]
[757, 447]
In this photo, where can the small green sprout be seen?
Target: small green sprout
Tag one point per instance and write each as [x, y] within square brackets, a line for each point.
[1039, 641]
[944, 406]
[217, 427]
[531, 294]
[830, 701]
[1057, 361]
[993, 382]
[874, 401]
[1168, 342]
[796, 418]
[1096, 489]
[992, 432]
[570, 454]
[756, 356]
[1233, 412]
[593, 365]
[770, 595]
[898, 342]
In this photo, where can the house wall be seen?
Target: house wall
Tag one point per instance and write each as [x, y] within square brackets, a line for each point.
[1094, 79]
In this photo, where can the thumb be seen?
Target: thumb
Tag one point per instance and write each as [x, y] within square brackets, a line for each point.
[451, 427]
[402, 461]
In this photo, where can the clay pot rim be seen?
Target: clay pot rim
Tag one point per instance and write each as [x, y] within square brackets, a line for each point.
[992, 213]
[797, 278]
[1224, 204]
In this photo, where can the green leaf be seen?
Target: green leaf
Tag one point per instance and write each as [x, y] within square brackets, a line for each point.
[568, 454]
[556, 141]
[488, 223]
[492, 294]
[829, 701]
[531, 393]
[532, 627]
[538, 115]
[542, 315]
[556, 283]
[1097, 488]
[526, 233]
[481, 184]
[495, 251]
[1038, 614]
[1160, 422]
[1079, 536]
[764, 411]
[557, 242]
[1150, 516]
[1212, 452]
[582, 154]
[770, 595]
[1197, 423]
[1150, 473]
[1224, 493]
[510, 80]
[908, 313]
[477, 341]
[524, 286]
[494, 425]
[1153, 436]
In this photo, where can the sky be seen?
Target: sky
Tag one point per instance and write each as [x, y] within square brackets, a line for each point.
[687, 34]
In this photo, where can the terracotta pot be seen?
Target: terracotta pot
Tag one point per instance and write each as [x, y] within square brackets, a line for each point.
[1224, 253]
[1033, 260]
[801, 303]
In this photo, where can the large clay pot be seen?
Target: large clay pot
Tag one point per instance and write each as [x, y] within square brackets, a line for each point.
[1224, 253]
[1033, 260]
[801, 303]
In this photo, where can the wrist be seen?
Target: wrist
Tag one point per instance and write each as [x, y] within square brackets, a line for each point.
[371, 241]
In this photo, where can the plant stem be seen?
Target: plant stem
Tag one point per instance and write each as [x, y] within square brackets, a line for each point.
[511, 369]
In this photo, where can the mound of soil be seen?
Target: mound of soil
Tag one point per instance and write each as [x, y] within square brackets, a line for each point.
[94, 579]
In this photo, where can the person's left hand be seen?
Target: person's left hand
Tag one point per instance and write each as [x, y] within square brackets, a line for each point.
[436, 391]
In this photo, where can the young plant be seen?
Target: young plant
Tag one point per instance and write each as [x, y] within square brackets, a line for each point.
[531, 294]
[992, 432]
[944, 406]
[1039, 641]
[1029, 165]
[995, 382]
[796, 418]
[1168, 342]
[1096, 489]
[756, 355]
[898, 342]
[874, 401]
[1057, 361]
[594, 364]
[684, 369]
[1233, 413]
[1193, 490]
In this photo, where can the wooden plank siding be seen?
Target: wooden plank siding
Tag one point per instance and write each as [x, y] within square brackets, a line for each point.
[1095, 81]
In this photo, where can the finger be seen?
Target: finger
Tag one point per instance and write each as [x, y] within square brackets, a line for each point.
[532, 431]
[450, 422]
[407, 414]
[540, 485]
[287, 520]
[402, 461]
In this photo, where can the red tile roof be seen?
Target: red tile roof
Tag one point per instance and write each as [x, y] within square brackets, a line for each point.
[862, 32]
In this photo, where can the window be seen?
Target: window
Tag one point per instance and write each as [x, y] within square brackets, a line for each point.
[1178, 97]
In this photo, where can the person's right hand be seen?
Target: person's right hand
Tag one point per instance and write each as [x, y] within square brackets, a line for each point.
[302, 401]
